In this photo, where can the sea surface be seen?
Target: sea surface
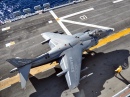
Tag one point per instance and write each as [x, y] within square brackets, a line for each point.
[7, 7]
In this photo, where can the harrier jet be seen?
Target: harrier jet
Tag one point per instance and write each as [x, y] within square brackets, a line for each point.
[67, 48]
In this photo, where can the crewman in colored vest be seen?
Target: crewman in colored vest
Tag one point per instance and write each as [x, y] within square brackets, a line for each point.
[119, 69]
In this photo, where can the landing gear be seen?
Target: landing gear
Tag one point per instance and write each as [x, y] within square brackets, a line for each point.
[92, 53]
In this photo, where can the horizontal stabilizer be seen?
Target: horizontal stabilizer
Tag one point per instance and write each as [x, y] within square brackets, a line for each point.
[19, 62]
[24, 73]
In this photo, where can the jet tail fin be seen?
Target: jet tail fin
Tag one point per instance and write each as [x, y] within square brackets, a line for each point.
[23, 66]
[24, 73]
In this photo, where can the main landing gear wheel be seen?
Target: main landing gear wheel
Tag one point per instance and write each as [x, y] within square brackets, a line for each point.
[92, 53]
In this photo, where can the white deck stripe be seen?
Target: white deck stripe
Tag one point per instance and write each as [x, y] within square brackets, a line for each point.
[10, 44]
[118, 94]
[117, 1]
[60, 23]
[86, 24]
[73, 14]
[6, 28]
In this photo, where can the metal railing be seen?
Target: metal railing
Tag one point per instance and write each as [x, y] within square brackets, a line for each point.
[23, 16]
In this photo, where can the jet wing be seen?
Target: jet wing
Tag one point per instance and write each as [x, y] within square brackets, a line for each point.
[56, 39]
[48, 36]
[71, 65]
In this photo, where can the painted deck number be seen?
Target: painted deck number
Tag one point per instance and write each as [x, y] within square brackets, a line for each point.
[83, 17]
[10, 44]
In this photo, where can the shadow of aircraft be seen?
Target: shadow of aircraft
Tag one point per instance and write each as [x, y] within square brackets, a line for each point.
[102, 65]
[51, 86]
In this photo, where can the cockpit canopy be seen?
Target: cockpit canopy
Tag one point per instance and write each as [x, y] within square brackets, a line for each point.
[100, 33]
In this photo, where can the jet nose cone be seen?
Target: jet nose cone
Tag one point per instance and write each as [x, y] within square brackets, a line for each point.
[104, 33]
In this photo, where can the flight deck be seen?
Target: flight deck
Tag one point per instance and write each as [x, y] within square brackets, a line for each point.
[23, 39]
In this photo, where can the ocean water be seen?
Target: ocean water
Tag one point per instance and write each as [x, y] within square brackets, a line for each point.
[7, 7]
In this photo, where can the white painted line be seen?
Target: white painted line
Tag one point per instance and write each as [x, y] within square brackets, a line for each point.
[7, 44]
[86, 24]
[50, 21]
[10, 44]
[123, 90]
[60, 23]
[73, 14]
[6, 28]
[116, 1]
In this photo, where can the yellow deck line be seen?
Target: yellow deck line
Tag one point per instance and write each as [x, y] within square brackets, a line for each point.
[12, 80]
[111, 38]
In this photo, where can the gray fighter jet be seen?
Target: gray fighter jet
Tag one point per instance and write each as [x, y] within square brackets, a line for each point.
[67, 48]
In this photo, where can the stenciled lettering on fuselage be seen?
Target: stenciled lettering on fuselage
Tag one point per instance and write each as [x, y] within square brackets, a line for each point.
[73, 68]
[71, 64]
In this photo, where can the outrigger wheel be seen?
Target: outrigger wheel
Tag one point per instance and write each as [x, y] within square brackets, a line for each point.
[92, 53]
